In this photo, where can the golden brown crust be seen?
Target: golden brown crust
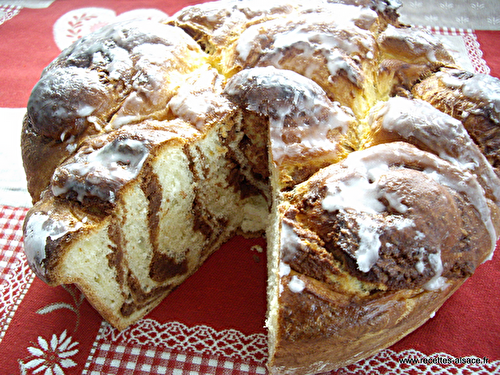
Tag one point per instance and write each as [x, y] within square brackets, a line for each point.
[347, 330]
[305, 126]
[370, 255]
[317, 109]
[408, 210]
[470, 98]
[94, 87]
[407, 56]
[412, 45]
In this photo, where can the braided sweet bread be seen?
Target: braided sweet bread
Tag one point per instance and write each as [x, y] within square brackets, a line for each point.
[353, 142]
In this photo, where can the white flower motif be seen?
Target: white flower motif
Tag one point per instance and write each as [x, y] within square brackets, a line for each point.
[446, 5]
[477, 5]
[416, 4]
[494, 20]
[462, 19]
[431, 18]
[52, 356]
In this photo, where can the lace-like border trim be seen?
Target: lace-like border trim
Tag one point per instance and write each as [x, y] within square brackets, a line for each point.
[13, 289]
[199, 339]
[475, 54]
[7, 12]
[204, 340]
[473, 47]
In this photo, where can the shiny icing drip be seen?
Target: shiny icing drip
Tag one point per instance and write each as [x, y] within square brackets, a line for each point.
[295, 105]
[418, 42]
[362, 193]
[199, 99]
[100, 173]
[440, 133]
[369, 245]
[437, 282]
[296, 285]
[370, 164]
[336, 48]
[39, 229]
[478, 87]
[289, 242]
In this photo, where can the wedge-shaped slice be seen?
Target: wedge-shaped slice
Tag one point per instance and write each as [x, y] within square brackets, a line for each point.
[363, 253]
[146, 205]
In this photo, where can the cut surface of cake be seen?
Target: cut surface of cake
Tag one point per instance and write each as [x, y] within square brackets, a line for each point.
[360, 150]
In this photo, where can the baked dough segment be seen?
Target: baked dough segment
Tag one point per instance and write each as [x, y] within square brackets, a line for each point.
[364, 253]
[473, 99]
[118, 75]
[307, 130]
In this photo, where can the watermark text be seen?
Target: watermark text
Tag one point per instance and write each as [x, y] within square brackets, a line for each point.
[440, 360]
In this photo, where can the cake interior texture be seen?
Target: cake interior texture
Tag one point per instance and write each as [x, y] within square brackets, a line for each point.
[348, 140]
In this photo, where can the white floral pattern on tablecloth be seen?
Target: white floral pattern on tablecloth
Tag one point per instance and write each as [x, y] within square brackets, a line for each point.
[50, 356]
[80, 22]
[461, 14]
[143, 348]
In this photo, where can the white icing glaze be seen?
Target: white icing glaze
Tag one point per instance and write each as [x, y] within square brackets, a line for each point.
[357, 194]
[95, 121]
[85, 110]
[419, 236]
[115, 163]
[40, 228]
[284, 269]
[245, 41]
[479, 87]
[367, 253]
[418, 41]
[289, 241]
[440, 132]
[401, 223]
[420, 265]
[296, 285]
[292, 96]
[335, 48]
[437, 282]
[71, 147]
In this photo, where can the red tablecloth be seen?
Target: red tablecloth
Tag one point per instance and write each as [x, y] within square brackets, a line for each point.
[214, 322]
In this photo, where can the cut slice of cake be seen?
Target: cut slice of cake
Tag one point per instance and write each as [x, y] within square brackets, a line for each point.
[147, 146]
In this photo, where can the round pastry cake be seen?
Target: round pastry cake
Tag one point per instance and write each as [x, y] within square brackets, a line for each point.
[354, 143]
